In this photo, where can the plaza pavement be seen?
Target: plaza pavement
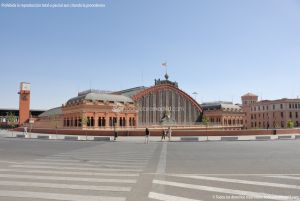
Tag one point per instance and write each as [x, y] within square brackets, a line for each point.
[34, 169]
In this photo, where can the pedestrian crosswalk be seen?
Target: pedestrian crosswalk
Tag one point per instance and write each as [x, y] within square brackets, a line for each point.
[79, 175]
[89, 175]
[172, 187]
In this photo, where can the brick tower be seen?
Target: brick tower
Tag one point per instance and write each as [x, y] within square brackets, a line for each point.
[248, 100]
[24, 103]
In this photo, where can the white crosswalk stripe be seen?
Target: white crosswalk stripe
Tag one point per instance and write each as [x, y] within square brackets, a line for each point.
[284, 177]
[79, 164]
[64, 186]
[88, 161]
[164, 197]
[74, 176]
[56, 196]
[277, 185]
[84, 179]
[254, 195]
[76, 168]
[106, 161]
[62, 172]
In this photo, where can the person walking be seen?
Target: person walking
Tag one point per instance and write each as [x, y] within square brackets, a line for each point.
[163, 135]
[25, 131]
[147, 136]
[115, 132]
[115, 135]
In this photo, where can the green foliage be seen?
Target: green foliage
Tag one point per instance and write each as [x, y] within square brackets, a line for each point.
[290, 124]
[11, 119]
[84, 120]
[205, 120]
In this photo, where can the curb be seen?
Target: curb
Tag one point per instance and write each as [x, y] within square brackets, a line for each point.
[153, 139]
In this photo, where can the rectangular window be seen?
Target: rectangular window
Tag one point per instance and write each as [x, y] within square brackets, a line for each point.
[291, 115]
[281, 106]
[281, 114]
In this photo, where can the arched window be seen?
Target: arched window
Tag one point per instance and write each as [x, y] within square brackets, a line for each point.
[88, 121]
[99, 122]
[92, 121]
[103, 121]
[110, 122]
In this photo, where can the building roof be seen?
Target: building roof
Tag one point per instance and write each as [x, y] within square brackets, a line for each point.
[250, 94]
[130, 92]
[51, 112]
[220, 105]
[15, 111]
[101, 97]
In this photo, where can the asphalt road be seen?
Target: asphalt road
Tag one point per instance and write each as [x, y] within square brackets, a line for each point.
[133, 171]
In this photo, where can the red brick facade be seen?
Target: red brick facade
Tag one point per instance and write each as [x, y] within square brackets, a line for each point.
[269, 114]
[24, 103]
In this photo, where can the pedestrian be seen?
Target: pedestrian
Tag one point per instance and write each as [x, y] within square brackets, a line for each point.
[116, 135]
[163, 135]
[25, 130]
[147, 135]
[169, 133]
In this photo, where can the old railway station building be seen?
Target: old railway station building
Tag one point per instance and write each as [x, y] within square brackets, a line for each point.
[163, 104]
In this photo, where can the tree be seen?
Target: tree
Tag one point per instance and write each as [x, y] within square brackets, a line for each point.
[55, 123]
[11, 119]
[84, 122]
[290, 124]
[205, 121]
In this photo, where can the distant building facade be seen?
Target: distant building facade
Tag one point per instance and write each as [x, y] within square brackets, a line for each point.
[137, 107]
[224, 114]
[5, 112]
[270, 114]
[162, 104]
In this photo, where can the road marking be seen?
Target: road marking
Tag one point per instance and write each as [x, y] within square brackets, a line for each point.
[58, 160]
[65, 186]
[56, 196]
[239, 181]
[265, 175]
[255, 195]
[95, 161]
[284, 177]
[140, 157]
[67, 178]
[63, 172]
[106, 159]
[161, 167]
[83, 161]
[76, 168]
[80, 165]
[165, 197]
[11, 162]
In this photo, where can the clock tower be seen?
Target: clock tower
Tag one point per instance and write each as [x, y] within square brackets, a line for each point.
[24, 103]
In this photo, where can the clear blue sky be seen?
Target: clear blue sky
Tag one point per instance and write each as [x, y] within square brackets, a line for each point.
[220, 49]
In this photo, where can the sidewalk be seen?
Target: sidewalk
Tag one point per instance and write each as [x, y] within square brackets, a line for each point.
[8, 134]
